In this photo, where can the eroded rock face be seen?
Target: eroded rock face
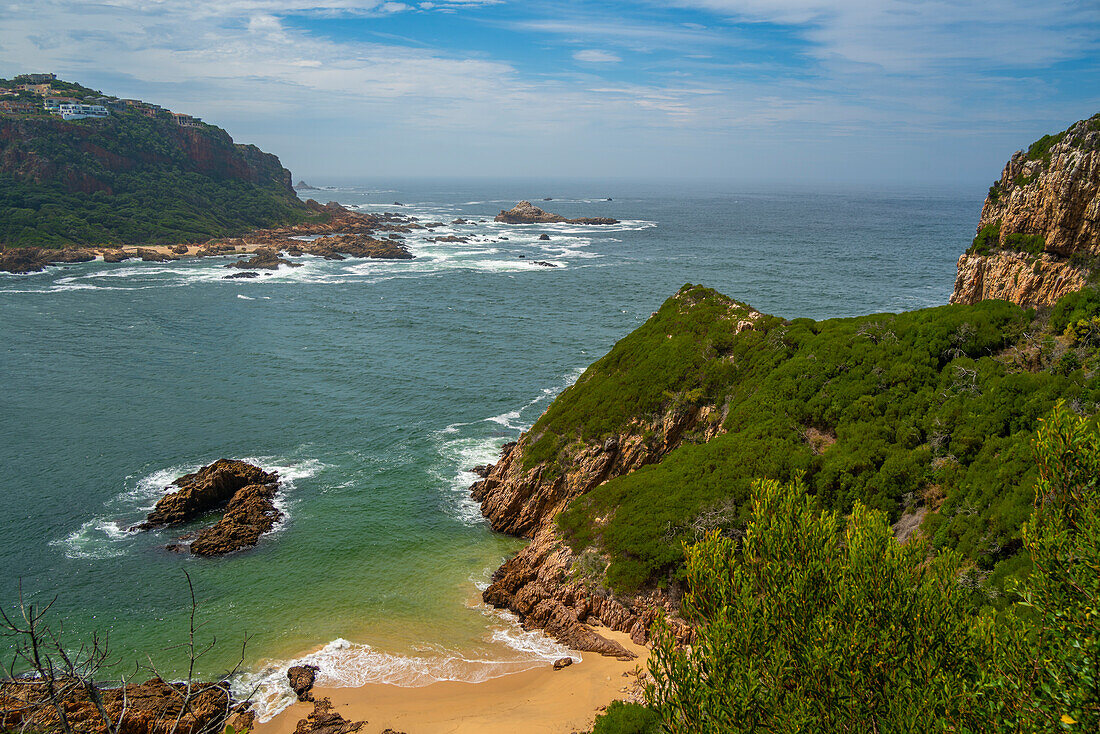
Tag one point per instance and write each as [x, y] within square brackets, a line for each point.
[1050, 194]
[356, 245]
[205, 490]
[527, 213]
[150, 708]
[1028, 280]
[323, 720]
[539, 583]
[301, 679]
[265, 258]
[250, 513]
[34, 259]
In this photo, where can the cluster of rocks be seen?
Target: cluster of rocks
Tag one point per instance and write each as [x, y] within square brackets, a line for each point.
[33, 259]
[151, 707]
[527, 213]
[344, 233]
[245, 491]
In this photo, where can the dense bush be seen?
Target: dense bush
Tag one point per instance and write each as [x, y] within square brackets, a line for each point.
[813, 624]
[923, 408]
[627, 718]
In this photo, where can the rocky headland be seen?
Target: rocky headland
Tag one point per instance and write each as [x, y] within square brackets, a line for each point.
[527, 213]
[1039, 233]
[546, 584]
[246, 492]
[342, 233]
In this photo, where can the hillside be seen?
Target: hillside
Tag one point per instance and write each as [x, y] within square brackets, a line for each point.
[926, 416]
[138, 175]
[1039, 233]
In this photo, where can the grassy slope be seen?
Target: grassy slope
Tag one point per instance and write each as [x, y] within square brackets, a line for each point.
[924, 406]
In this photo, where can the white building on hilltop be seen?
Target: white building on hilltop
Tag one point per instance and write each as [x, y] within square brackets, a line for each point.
[77, 111]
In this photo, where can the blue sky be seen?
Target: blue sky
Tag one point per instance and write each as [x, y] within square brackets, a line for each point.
[863, 92]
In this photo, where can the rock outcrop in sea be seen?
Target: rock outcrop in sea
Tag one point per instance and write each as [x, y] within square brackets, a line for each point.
[1039, 233]
[246, 492]
[527, 213]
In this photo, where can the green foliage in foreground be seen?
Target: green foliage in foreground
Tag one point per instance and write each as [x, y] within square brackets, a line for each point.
[129, 179]
[814, 624]
[927, 408]
[627, 718]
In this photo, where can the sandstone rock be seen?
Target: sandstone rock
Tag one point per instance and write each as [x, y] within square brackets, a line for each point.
[301, 679]
[482, 470]
[323, 720]
[34, 259]
[246, 275]
[449, 238]
[250, 513]
[562, 663]
[151, 708]
[334, 247]
[460, 220]
[116, 256]
[208, 488]
[527, 213]
[545, 264]
[180, 249]
[1052, 192]
[264, 257]
[152, 256]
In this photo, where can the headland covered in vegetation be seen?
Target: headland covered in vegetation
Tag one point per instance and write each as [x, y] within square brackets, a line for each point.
[137, 174]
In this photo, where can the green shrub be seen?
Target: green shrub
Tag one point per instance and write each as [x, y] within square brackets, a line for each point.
[1046, 673]
[910, 402]
[816, 624]
[627, 718]
[987, 240]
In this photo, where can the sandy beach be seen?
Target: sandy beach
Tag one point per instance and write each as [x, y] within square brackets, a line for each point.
[539, 701]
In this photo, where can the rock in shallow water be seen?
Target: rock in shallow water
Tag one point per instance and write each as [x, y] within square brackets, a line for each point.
[301, 679]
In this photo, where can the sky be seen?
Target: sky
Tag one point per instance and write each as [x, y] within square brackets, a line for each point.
[808, 92]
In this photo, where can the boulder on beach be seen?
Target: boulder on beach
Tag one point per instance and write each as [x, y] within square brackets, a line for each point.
[301, 679]
[33, 259]
[323, 720]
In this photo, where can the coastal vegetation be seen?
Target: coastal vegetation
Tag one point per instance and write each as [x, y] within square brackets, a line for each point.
[927, 415]
[137, 176]
[810, 621]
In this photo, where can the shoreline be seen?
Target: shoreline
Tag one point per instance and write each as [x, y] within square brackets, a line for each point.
[541, 700]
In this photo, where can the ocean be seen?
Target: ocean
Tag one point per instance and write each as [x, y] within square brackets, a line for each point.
[373, 387]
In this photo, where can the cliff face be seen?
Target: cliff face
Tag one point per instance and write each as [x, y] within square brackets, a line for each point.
[543, 583]
[1040, 225]
[547, 584]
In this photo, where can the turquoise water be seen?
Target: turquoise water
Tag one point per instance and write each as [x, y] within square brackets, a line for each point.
[372, 386]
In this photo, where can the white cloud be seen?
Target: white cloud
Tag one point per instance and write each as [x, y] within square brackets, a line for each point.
[914, 36]
[596, 56]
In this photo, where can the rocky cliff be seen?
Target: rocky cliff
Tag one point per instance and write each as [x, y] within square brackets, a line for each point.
[1039, 233]
[548, 585]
